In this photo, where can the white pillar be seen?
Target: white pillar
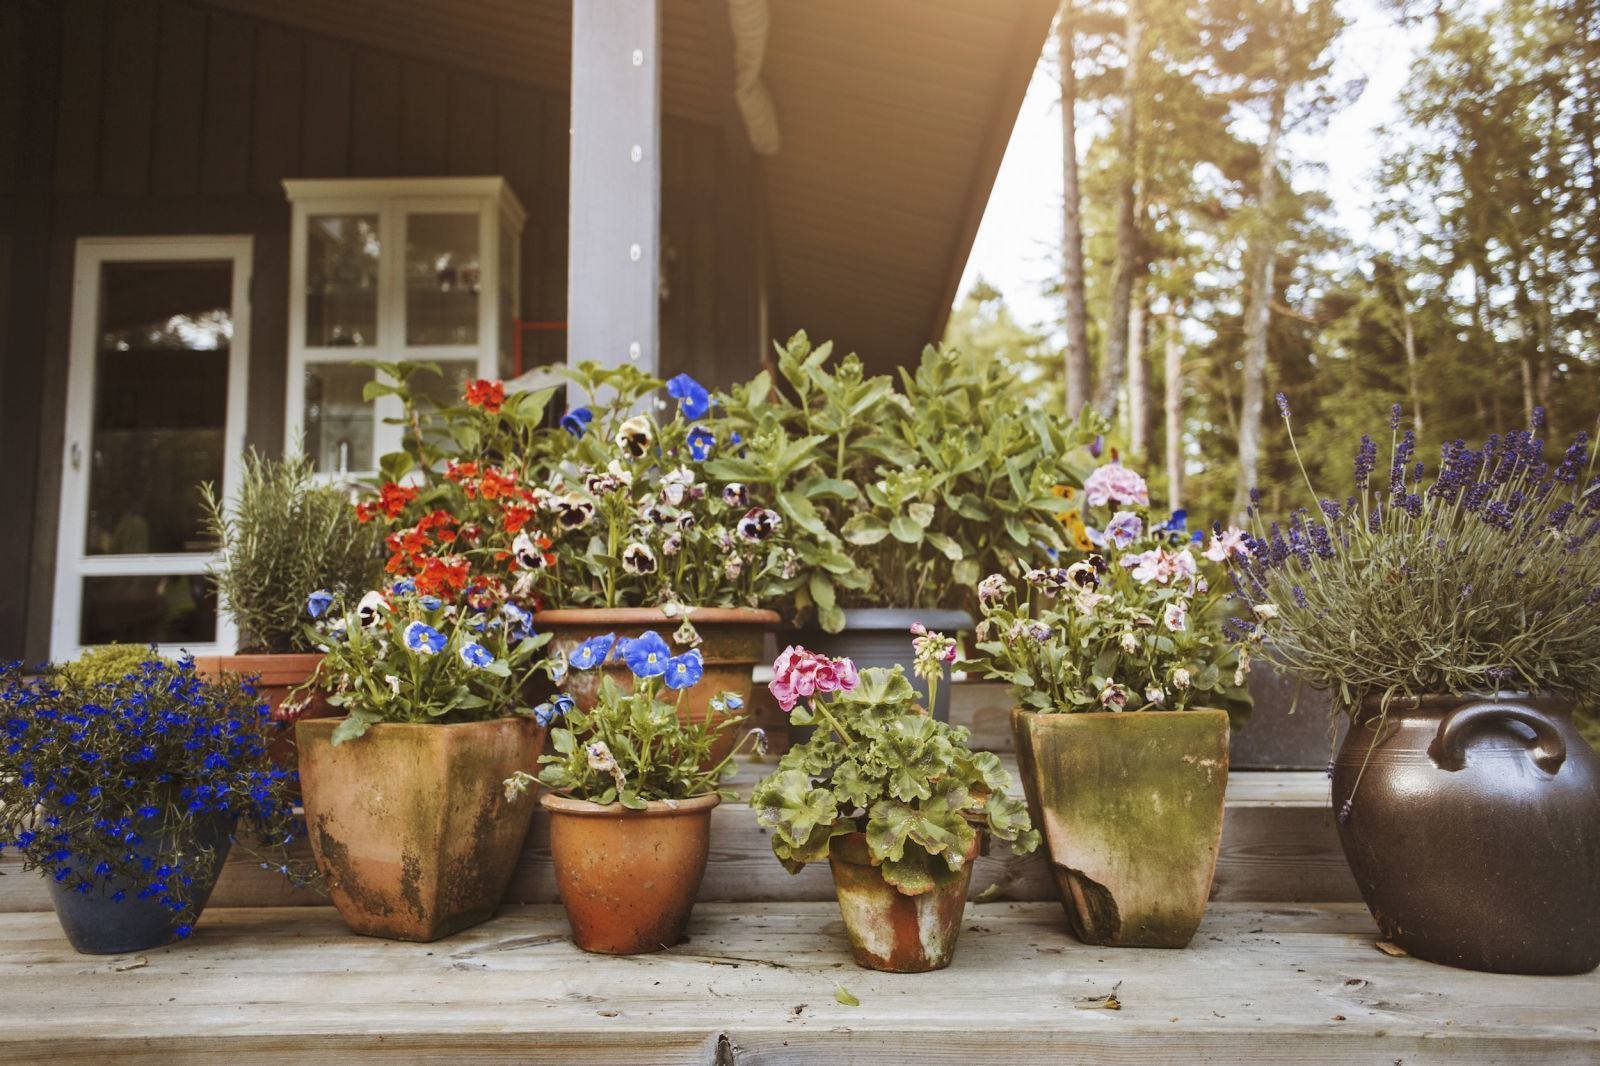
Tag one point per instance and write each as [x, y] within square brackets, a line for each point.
[614, 195]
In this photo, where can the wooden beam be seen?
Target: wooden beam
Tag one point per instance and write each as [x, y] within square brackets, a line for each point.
[614, 204]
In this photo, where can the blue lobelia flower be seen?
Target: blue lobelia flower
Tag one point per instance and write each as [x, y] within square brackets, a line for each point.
[592, 652]
[423, 639]
[576, 421]
[693, 400]
[648, 655]
[404, 587]
[475, 654]
[318, 603]
[701, 443]
[685, 670]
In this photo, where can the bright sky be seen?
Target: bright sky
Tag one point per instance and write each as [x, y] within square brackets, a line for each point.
[1017, 247]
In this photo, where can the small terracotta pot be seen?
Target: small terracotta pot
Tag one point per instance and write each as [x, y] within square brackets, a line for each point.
[732, 644]
[889, 930]
[1130, 806]
[410, 824]
[279, 675]
[1472, 825]
[629, 877]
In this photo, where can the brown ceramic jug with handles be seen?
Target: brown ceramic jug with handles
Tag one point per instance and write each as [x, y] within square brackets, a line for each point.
[1472, 825]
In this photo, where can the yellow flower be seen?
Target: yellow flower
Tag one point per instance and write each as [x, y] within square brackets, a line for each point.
[1066, 492]
[1077, 532]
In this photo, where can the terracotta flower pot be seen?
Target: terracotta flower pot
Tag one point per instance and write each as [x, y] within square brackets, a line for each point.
[889, 930]
[410, 824]
[279, 675]
[1130, 806]
[629, 878]
[732, 644]
[1472, 825]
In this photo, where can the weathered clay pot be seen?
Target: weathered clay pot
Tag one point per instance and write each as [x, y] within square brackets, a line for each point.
[889, 930]
[1130, 806]
[279, 675]
[731, 647]
[628, 877]
[1472, 825]
[410, 824]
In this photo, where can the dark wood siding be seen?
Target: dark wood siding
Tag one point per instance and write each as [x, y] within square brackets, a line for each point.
[132, 117]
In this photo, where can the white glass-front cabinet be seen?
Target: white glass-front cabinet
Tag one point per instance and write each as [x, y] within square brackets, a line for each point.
[387, 269]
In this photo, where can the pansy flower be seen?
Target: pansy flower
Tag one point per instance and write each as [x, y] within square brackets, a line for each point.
[693, 400]
[702, 442]
[558, 707]
[758, 524]
[593, 652]
[1124, 528]
[519, 621]
[647, 656]
[318, 603]
[684, 670]
[476, 655]
[371, 608]
[736, 495]
[404, 587]
[634, 436]
[637, 558]
[572, 511]
[423, 639]
[532, 551]
[576, 421]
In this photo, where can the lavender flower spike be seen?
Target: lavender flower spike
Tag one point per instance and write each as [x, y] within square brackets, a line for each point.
[1283, 405]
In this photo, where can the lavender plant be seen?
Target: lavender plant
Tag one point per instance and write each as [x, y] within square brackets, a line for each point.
[1482, 576]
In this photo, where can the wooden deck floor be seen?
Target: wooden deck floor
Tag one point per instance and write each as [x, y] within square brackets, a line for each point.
[756, 983]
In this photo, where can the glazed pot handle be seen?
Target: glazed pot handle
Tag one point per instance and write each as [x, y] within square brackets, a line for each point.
[1448, 750]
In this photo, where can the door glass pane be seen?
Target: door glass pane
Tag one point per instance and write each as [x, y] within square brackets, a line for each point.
[166, 608]
[160, 404]
[338, 422]
[342, 281]
[442, 279]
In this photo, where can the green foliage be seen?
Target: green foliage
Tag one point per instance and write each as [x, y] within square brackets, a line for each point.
[106, 664]
[283, 537]
[902, 496]
[879, 764]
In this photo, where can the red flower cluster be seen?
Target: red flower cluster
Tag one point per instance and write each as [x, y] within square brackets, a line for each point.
[392, 500]
[409, 548]
[489, 395]
[487, 482]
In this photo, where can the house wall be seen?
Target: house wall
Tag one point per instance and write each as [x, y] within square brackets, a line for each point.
[135, 117]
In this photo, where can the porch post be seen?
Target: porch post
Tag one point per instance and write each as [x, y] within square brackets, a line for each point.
[614, 195]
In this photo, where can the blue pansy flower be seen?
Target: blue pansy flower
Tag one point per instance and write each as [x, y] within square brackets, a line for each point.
[648, 655]
[475, 654]
[318, 603]
[520, 619]
[701, 442]
[576, 421]
[404, 587]
[592, 652]
[693, 399]
[685, 670]
[430, 603]
[422, 638]
[1178, 523]
[733, 701]
[558, 707]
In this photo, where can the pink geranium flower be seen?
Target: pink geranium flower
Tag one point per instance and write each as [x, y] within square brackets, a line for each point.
[799, 674]
[1115, 483]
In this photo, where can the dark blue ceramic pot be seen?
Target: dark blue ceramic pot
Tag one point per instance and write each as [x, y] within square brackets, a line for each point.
[96, 924]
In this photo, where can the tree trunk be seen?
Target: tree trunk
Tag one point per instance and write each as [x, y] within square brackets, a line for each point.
[1138, 378]
[1173, 404]
[1127, 259]
[1079, 383]
[1409, 338]
[1258, 306]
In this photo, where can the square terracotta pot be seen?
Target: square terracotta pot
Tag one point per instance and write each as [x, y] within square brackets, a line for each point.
[410, 825]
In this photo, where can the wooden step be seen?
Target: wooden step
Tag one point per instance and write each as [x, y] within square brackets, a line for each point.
[1279, 844]
[1289, 983]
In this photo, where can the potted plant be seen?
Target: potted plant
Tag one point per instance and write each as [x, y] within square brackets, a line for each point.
[124, 778]
[1123, 681]
[630, 787]
[284, 537]
[408, 821]
[900, 498]
[891, 797]
[1455, 616]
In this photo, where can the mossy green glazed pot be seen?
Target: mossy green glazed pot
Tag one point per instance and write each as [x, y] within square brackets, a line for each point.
[1130, 807]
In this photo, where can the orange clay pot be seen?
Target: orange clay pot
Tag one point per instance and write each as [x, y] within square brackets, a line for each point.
[410, 824]
[732, 643]
[629, 878]
[279, 675]
[889, 930]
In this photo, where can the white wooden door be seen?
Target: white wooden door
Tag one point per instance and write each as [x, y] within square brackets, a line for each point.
[155, 406]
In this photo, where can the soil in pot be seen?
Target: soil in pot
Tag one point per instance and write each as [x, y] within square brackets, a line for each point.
[889, 930]
[629, 877]
[732, 643]
[1130, 806]
[410, 824]
[97, 924]
[1472, 825]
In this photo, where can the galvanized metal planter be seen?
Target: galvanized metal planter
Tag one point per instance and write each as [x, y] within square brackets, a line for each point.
[629, 878]
[881, 636]
[1130, 806]
[410, 824]
[891, 931]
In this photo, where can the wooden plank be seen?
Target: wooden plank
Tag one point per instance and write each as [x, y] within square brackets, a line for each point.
[1284, 984]
[129, 102]
[325, 151]
[425, 120]
[230, 75]
[375, 116]
[180, 101]
[280, 83]
[78, 121]
[472, 125]
[614, 200]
